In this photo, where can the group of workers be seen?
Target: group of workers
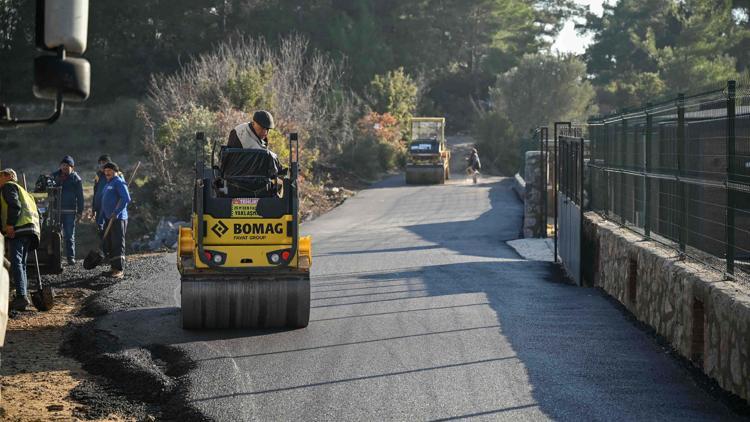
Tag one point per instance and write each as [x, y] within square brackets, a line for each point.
[21, 222]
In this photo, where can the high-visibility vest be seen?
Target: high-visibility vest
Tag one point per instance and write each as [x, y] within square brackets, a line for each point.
[28, 221]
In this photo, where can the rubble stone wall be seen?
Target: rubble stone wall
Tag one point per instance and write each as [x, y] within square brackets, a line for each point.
[703, 316]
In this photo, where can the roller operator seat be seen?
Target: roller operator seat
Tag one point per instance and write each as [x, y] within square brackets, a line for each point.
[248, 173]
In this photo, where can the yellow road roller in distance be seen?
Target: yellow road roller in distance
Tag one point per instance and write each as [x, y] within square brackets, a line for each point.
[428, 156]
[243, 263]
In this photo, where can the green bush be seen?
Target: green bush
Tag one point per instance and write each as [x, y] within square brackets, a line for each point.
[395, 93]
[377, 147]
[248, 88]
[362, 157]
[172, 152]
[496, 143]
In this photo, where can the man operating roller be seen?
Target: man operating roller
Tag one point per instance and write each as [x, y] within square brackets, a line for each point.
[253, 135]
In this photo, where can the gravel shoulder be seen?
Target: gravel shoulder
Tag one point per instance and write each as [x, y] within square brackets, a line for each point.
[42, 379]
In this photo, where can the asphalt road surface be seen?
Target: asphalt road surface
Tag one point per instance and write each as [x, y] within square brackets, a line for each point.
[420, 311]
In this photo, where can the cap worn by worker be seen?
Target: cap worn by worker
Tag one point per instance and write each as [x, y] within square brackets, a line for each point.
[68, 160]
[105, 157]
[112, 166]
[264, 119]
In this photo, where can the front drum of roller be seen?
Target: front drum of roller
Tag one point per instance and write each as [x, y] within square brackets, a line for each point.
[245, 302]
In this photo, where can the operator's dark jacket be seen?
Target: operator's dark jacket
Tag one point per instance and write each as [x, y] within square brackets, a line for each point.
[72, 192]
[243, 136]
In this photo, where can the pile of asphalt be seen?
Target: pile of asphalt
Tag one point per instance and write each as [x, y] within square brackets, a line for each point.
[145, 383]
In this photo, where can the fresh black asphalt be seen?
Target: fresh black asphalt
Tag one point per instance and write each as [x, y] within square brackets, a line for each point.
[420, 311]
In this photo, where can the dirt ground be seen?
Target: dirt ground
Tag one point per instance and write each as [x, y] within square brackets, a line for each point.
[36, 378]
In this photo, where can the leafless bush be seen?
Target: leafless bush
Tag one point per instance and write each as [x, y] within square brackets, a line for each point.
[217, 90]
[303, 91]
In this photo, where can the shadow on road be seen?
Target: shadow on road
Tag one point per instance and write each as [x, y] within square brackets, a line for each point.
[484, 236]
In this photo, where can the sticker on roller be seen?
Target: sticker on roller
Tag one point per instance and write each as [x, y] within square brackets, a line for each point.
[245, 208]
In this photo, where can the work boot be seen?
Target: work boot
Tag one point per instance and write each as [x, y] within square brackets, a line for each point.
[71, 261]
[20, 303]
[117, 274]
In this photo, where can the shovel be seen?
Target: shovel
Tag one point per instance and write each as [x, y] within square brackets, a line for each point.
[95, 256]
[44, 298]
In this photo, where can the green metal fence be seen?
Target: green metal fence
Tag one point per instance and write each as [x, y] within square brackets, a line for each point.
[679, 172]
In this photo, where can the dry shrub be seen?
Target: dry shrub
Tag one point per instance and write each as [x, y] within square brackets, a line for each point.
[216, 91]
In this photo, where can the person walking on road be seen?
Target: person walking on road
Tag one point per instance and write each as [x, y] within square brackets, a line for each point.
[71, 203]
[474, 165]
[114, 207]
[20, 224]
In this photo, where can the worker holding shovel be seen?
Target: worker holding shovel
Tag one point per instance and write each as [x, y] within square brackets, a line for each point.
[20, 223]
[114, 209]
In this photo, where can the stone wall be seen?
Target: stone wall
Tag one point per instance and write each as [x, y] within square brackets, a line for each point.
[705, 318]
[533, 224]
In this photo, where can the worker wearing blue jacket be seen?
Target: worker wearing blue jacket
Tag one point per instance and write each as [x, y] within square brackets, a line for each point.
[99, 182]
[114, 207]
[71, 203]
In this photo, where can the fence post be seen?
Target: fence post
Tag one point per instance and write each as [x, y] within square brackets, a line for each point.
[557, 174]
[545, 156]
[731, 172]
[606, 173]
[646, 170]
[621, 162]
[580, 205]
[681, 186]
[554, 189]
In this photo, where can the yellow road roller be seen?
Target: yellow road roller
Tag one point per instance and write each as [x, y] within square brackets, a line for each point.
[428, 159]
[243, 263]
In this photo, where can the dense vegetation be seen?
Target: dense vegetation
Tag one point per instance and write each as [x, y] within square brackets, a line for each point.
[347, 74]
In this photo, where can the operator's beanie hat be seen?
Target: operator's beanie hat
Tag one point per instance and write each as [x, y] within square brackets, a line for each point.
[112, 166]
[68, 160]
[105, 158]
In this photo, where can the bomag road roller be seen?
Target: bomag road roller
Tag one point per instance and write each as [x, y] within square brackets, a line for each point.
[243, 263]
[428, 159]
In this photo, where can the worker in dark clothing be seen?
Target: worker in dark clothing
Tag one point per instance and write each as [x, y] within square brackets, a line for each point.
[99, 182]
[253, 135]
[115, 200]
[474, 165]
[71, 203]
[20, 224]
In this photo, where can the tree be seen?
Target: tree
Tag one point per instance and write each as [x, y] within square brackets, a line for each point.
[646, 48]
[395, 93]
[542, 89]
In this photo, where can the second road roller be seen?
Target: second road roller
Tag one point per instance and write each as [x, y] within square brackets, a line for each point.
[428, 159]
